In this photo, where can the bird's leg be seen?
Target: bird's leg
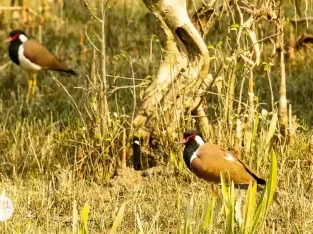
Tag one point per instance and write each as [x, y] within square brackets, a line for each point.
[30, 85]
[34, 84]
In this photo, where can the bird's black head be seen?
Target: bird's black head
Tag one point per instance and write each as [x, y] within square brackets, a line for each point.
[15, 34]
[16, 39]
[190, 134]
[192, 141]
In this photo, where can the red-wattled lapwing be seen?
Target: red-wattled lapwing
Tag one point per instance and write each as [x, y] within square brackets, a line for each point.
[136, 153]
[33, 57]
[207, 161]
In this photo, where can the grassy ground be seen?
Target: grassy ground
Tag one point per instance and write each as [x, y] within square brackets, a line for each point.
[50, 157]
[155, 204]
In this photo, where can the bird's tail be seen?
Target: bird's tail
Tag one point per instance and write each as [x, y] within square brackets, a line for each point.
[260, 180]
[70, 71]
[59, 65]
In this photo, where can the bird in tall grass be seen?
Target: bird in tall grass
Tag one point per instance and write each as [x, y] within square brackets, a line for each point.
[208, 161]
[33, 57]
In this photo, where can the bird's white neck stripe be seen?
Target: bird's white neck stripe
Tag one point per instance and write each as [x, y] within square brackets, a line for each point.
[199, 140]
[23, 38]
[193, 156]
[25, 63]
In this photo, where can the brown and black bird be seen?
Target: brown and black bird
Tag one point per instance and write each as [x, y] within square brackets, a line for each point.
[33, 57]
[207, 161]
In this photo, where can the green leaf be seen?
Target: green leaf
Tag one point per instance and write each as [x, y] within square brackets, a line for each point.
[272, 179]
[249, 208]
[84, 218]
[234, 26]
[297, 231]
[173, 158]
[208, 218]
[267, 196]
[266, 66]
[271, 131]
[188, 218]
[118, 219]
[136, 134]
[228, 198]
[219, 44]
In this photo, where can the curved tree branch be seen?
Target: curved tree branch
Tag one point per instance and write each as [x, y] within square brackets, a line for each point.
[183, 74]
[184, 48]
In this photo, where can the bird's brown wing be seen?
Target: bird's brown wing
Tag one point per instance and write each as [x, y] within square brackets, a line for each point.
[38, 54]
[253, 173]
[212, 160]
[247, 167]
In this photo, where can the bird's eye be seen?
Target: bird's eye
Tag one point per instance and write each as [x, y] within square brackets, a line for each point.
[193, 136]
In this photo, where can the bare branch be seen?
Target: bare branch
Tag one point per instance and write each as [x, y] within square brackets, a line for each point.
[92, 12]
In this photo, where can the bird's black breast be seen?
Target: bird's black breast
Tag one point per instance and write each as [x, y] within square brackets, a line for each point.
[13, 51]
[188, 152]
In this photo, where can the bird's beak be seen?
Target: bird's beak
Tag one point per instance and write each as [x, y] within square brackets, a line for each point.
[9, 39]
[183, 141]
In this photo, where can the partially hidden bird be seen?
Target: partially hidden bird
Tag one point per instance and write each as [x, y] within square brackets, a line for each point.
[33, 57]
[208, 161]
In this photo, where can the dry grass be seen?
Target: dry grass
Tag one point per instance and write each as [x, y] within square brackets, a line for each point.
[156, 203]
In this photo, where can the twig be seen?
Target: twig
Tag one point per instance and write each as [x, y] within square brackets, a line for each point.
[18, 8]
[209, 86]
[90, 41]
[134, 93]
[5, 65]
[91, 12]
[301, 20]
[59, 83]
[263, 39]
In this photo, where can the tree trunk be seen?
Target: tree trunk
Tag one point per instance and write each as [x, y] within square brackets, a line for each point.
[282, 110]
[183, 73]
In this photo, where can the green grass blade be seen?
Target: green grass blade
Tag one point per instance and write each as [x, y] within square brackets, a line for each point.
[255, 140]
[224, 189]
[208, 218]
[273, 178]
[118, 219]
[188, 218]
[267, 196]
[173, 158]
[271, 131]
[228, 199]
[297, 231]
[84, 219]
[232, 209]
[249, 208]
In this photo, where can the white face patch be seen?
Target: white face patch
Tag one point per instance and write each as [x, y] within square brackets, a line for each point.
[137, 142]
[199, 140]
[193, 156]
[25, 63]
[229, 157]
[23, 38]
